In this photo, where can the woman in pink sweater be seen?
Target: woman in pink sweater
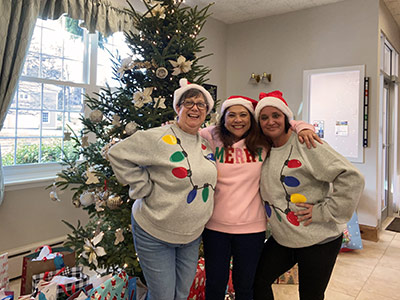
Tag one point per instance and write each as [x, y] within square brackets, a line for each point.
[237, 226]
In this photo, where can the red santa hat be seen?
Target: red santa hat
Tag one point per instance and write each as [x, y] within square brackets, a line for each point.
[185, 85]
[247, 102]
[274, 99]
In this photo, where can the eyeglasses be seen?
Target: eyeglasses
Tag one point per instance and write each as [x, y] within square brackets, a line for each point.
[190, 104]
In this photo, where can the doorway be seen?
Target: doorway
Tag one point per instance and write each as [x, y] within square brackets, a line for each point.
[386, 151]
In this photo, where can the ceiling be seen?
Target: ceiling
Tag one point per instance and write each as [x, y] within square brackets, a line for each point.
[394, 8]
[236, 11]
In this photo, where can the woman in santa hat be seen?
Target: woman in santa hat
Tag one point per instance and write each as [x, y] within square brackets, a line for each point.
[238, 223]
[306, 215]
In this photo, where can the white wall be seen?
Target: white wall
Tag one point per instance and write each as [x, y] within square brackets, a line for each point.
[339, 34]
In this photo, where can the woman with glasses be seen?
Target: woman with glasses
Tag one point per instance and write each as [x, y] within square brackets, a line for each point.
[309, 195]
[238, 224]
[171, 172]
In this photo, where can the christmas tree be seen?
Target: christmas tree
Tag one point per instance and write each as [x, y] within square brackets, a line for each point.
[164, 43]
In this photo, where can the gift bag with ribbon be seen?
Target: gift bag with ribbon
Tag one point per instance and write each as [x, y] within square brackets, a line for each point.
[351, 235]
[197, 290]
[6, 295]
[136, 289]
[4, 271]
[114, 288]
[46, 260]
[69, 280]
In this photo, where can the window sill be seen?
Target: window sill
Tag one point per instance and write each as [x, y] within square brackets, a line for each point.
[29, 176]
[28, 183]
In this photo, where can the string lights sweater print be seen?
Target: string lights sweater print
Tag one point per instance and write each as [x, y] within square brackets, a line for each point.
[293, 174]
[172, 180]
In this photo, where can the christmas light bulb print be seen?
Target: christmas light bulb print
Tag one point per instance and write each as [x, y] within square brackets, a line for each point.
[183, 172]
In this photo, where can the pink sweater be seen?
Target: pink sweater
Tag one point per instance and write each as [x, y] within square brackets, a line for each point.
[237, 203]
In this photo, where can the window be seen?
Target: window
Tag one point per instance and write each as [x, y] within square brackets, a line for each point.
[45, 117]
[60, 67]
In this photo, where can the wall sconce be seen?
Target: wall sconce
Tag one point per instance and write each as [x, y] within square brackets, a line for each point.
[264, 77]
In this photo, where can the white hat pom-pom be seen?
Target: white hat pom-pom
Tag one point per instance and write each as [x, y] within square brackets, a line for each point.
[183, 82]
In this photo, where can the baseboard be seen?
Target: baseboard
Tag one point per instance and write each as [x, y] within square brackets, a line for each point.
[369, 233]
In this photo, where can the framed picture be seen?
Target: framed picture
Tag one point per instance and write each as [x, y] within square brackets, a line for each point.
[212, 89]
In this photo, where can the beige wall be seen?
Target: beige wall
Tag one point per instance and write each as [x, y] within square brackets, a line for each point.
[339, 34]
[28, 216]
[216, 34]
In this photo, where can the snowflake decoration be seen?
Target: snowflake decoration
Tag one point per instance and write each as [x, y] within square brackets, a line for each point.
[160, 102]
[67, 136]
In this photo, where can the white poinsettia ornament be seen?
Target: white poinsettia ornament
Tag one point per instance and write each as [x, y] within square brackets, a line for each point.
[91, 252]
[181, 65]
[157, 10]
[126, 64]
[140, 98]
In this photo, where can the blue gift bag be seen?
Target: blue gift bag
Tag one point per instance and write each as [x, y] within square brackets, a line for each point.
[352, 235]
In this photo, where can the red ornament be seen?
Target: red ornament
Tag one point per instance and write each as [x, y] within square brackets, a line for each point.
[294, 163]
[204, 147]
[292, 218]
[180, 172]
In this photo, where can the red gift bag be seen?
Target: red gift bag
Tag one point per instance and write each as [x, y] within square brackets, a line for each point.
[197, 291]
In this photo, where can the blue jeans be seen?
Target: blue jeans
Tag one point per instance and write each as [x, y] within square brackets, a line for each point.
[245, 249]
[169, 269]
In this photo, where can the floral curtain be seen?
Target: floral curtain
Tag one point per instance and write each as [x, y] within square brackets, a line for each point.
[17, 21]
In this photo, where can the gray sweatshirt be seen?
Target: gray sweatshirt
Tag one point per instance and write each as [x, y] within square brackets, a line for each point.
[294, 173]
[172, 175]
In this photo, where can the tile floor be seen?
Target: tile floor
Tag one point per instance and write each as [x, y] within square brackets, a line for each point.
[372, 273]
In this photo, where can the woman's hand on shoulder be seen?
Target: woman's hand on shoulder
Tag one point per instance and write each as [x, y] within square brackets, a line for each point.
[309, 137]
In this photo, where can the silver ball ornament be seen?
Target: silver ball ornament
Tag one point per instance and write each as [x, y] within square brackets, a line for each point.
[87, 198]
